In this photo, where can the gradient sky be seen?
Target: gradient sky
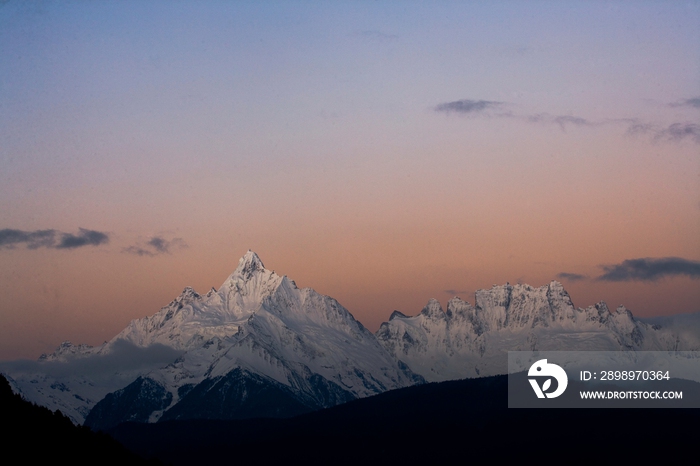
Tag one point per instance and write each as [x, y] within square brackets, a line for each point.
[382, 153]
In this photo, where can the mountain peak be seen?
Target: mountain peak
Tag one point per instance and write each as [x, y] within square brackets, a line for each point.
[433, 309]
[396, 314]
[249, 263]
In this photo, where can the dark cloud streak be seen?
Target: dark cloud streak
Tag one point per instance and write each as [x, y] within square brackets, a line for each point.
[83, 238]
[674, 132]
[679, 131]
[650, 269]
[466, 106]
[33, 239]
[159, 244]
[692, 102]
[138, 251]
[53, 239]
[123, 357]
[155, 246]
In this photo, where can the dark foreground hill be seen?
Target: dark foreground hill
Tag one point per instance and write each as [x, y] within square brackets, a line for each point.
[449, 422]
[34, 434]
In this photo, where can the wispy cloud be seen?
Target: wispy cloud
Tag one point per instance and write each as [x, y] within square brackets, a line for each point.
[679, 131]
[693, 102]
[650, 269]
[496, 109]
[160, 244]
[156, 245]
[674, 132]
[561, 120]
[466, 106]
[572, 277]
[9, 238]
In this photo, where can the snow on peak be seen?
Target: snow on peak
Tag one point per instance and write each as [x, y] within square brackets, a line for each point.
[187, 294]
[261, 323]
[244, 290]
[433, 309]
[248, 264]
[470, 341]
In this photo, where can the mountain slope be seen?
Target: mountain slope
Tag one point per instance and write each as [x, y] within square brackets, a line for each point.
[473, 341]
[258, 331]
[260, 346]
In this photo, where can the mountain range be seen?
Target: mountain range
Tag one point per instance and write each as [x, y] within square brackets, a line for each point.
[259, 346]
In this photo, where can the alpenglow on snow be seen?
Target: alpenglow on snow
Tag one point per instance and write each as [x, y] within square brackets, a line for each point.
[260, 346]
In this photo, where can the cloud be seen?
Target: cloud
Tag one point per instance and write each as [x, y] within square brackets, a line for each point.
[138, 251]
[83, 238]
[122, 358]
[679, 131]
[572, 277]
[455, 292]
[638, 127]
[33, 239]
[650, 269]
[159, 244]
[693, 102]
[466, 106]
[155, 246]
[561, 120]
[54, 239]
[675, 132]
[686, 326]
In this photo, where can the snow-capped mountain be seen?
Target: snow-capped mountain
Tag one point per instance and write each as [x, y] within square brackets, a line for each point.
[260, 346]
[472, 341]
[258, 340]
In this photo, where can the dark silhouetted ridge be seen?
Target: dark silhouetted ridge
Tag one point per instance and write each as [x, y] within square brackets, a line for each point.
[456, 422]
[40, 436]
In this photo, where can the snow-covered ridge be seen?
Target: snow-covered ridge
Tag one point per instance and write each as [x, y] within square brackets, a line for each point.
[260, 332]
[190, 319]
[67, 351]
[258, 325]
[472, 341]
[258, 328]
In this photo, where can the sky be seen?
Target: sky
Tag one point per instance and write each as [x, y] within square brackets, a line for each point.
[383, 153]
